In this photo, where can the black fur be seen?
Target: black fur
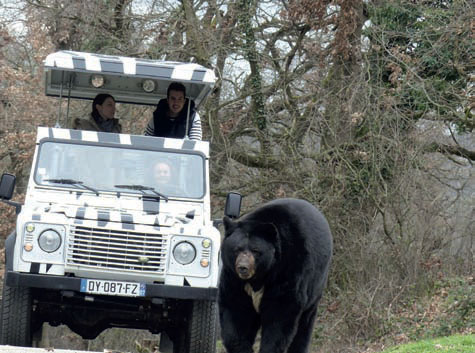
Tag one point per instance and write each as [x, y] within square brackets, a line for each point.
[291, 247]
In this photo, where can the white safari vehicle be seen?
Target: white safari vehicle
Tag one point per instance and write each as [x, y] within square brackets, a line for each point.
[99, 242]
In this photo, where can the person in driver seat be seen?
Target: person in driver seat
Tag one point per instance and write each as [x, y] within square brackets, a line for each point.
[165, 178]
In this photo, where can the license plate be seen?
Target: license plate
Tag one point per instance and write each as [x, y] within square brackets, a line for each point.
[96, 286]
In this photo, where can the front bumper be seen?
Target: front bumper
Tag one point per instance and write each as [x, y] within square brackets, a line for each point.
[18, 279]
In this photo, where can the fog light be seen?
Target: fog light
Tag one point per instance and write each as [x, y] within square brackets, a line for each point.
[204, 263]
[206, 243]
[184, 253]
[30, 227]
[49, 240]
[28, 247]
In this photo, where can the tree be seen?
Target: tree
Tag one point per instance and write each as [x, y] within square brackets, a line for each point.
[356, 106]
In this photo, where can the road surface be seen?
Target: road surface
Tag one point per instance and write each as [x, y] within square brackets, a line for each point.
[11, 349]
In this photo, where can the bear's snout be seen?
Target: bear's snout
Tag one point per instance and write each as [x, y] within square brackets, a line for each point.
[245, 265]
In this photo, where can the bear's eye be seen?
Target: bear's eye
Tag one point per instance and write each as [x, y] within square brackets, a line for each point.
[256, 251]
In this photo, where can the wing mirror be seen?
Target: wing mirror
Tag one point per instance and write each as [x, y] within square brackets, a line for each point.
[232, 209]
[7, 185]
[233, 205]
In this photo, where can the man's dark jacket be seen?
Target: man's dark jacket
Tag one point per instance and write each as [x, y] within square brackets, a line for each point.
[164, 126]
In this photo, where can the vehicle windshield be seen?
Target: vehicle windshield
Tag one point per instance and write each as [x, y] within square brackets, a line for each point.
[120, 169]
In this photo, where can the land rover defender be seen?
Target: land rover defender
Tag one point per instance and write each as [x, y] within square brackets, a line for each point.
[99, 242]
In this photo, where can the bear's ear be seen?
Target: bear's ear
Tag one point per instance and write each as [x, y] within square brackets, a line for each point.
[229, 225]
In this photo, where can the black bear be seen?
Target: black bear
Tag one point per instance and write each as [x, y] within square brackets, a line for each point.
[275, 266]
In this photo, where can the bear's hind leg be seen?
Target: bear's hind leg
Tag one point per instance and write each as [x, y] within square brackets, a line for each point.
[239, 328]
[303, 335]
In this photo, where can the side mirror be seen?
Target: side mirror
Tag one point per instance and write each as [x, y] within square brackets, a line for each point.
[233, 205]
[7, 185]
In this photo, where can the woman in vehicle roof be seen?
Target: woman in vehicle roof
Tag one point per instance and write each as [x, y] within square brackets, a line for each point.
[102, 118]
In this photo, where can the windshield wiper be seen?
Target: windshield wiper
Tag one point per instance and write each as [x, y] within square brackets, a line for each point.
[72, 182]
[142, 188]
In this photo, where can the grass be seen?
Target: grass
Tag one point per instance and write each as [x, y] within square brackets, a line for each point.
[451, 344]
[450, 309]
[444, 308]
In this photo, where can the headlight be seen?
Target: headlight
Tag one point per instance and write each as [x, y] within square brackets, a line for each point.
[49, 240]
[184, 253]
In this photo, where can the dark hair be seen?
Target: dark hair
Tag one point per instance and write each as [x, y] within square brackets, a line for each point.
[176, 86]
[100, 98]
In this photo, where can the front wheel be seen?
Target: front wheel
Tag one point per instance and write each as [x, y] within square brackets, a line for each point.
[15, 322]
[200, 332]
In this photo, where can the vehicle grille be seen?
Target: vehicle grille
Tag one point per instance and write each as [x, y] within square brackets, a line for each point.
[128, 251]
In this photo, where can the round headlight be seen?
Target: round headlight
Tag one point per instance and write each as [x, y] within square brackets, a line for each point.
[49, 240]
[184, 253]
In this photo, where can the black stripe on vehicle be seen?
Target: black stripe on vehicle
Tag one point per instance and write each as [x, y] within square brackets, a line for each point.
[110, 66]
[76, 134]
[188, 144]
[48, 266]
[107, 137]
[36, 217]
[198, 75]
[103, 217]
[155, 71]
[147, 141]
[150, 205]
[156, 224]
[35, 267]
[80, 212]
[127, 221]
[79, 63]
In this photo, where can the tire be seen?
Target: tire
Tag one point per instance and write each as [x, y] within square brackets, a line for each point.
[200, 331]
[15, 319]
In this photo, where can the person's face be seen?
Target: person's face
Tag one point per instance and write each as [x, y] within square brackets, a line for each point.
[162, 173]
[176, 101]
[106, 109]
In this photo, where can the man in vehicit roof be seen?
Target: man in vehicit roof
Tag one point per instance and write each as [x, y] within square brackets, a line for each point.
[175, 115]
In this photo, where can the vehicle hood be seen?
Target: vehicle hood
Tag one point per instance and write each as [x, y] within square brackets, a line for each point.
[147, 212]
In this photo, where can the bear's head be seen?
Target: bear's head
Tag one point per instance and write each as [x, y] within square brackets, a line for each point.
[249, 248]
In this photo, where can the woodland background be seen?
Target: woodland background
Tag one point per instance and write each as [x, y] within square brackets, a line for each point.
[364, 108]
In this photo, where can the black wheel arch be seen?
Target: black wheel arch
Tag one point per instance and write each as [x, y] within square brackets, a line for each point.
[9, 249]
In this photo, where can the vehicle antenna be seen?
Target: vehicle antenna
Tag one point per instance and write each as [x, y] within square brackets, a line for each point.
[57, 125]
[187, 118]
